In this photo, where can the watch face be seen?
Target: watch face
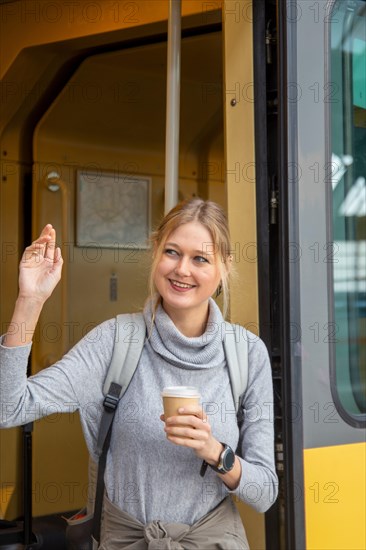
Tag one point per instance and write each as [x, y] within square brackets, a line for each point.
[228, 459]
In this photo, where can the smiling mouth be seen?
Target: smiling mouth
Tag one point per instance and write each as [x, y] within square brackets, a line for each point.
[181, 285]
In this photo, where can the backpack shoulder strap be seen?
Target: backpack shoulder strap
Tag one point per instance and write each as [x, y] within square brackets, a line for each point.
[128, 343]
[235, 342]
[236, 352]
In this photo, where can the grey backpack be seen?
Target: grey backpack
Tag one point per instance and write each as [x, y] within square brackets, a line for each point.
[129, 341]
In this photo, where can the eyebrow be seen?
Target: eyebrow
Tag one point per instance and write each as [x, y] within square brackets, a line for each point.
[201, 251]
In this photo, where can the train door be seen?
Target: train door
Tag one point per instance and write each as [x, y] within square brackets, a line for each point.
[335, 417]
[321, 104]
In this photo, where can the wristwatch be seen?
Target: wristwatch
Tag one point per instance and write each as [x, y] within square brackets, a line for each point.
[225, 463]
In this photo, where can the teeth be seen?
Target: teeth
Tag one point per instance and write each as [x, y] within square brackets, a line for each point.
[182, 285]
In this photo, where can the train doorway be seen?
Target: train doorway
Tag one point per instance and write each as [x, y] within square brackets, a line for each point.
[102, 138]
[102, 129]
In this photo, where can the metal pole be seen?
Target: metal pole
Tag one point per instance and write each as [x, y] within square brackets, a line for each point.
[172, 105]
[27, 482]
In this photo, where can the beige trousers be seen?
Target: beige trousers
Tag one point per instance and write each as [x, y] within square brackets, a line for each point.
[220, 529]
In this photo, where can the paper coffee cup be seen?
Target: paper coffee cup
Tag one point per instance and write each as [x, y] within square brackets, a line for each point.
[175, 397]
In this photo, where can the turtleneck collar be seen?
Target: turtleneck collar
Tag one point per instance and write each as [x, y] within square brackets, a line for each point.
[205, 351]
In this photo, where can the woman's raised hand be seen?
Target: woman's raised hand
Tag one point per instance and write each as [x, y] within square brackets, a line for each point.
[39, 273]
[40, 267]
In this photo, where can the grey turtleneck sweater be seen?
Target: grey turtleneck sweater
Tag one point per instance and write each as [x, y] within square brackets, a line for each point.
[146, 475]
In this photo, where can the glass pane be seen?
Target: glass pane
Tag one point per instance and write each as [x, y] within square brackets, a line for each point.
[347, 95]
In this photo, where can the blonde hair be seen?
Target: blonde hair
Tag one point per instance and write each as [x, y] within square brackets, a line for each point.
[213, 218]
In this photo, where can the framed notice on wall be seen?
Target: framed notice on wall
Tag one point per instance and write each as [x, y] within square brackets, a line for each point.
[112, 210]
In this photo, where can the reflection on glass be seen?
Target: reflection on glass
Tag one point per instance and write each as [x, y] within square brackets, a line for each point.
[348, 139]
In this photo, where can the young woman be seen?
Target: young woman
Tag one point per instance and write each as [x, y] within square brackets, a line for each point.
[154, 490]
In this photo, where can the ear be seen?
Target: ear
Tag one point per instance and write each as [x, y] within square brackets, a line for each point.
[229, 263]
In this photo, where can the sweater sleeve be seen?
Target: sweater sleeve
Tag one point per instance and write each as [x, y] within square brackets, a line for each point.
[73, 382]
[258, 485]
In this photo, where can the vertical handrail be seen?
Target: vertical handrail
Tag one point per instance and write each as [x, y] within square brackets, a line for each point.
[27, 482]
[55, 183]
[172, 105]
[65, 279]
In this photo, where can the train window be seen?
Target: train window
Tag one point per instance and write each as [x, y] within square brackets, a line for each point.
[347, 98]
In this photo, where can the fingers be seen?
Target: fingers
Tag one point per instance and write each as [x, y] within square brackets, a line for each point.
[58, 256]
[188, 431]
[44, 247]
[47, 234]
[50, 245]
[185, 426]
[193, 415]
[47, 229]
[33, 254]
[183, 420]
[196, 410]
[188, 437]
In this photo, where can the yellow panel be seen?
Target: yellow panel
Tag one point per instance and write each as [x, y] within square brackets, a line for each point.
[240, 159]
[240, 188]
[60, 459]
[6, 492]
[335, 497]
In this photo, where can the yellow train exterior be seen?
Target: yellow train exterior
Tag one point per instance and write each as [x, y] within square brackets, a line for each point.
[273, 127]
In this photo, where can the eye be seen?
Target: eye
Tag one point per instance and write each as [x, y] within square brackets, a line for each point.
[170, 252]
[201, 259]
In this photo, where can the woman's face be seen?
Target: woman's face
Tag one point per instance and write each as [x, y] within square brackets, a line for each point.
[188, 271]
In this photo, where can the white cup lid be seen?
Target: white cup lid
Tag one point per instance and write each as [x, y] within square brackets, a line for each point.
[180, 391]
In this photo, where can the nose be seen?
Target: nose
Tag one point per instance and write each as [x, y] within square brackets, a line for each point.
[182, 267]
